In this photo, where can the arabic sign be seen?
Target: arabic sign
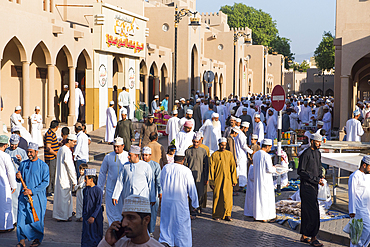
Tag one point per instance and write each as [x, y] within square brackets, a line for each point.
[122, 32]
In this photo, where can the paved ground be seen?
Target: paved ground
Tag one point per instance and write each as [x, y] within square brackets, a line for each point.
[241, 231]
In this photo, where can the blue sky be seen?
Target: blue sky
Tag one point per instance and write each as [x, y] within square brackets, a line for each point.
[302, 21]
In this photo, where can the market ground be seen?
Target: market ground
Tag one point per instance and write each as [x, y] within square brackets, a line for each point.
[241, 231]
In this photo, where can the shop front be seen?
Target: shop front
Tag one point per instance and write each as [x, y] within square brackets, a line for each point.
[119, 44]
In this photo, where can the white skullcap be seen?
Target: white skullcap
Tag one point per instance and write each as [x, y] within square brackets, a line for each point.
[198, 100]
[316, 137]
[17, 108]
[180, 153]
[72, 137]
[366, 159]
[238, 120]
[357, 112]
[222, 139]
[137, 204]
[320, 123]
[232, 111]
[182, 99]
[174, 112]
[90, 172]
[189, 111]
[33, 146]
[254, 136]
[147, 150]
[257, 115]
[267, 142]
[66, 86]
[326, 107]
[176, 101]
[245, 124]
[232, 118]
[307, 134]
[198, 136]
[197, 91]
[120, 104]
[111, 103]
[245, 109]
[76, 83]
[134, 149]
[214, 115]
[37, 108]
[118, 141]
[156, 97]
[123, 111]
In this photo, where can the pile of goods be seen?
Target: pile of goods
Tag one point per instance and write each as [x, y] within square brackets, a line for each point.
[288, 207]
[161, 121]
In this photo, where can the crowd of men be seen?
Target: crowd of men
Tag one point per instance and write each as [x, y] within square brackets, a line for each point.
[225, 145]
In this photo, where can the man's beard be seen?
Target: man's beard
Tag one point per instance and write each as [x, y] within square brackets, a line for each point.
[216, 124]
[187, 117]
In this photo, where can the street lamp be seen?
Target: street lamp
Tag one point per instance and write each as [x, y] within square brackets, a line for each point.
[193, 22]
[247, 40]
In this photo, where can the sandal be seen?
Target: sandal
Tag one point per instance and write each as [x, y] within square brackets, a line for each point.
[20, 245]
[35, 243]
[305, 240]
[228, 218]
[216, 219]
[316, 243]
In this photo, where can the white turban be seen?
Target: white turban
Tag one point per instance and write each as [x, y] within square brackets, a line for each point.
[267, 142]
[123, 111]
[316, 137]
[214, 115]
[222, 139]
[245, 124]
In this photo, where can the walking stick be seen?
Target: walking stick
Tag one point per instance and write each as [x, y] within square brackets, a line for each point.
[30, 200]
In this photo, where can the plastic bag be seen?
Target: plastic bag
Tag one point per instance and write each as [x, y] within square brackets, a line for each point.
[322, 194]
[347, 228]
[356, 227]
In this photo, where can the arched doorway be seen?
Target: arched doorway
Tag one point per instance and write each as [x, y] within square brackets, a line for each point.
[318, 92]
[163, 82]
[194, 68]
[61, 76]
[83, 63]
[143, 76]
[153, 81]
[309, 92]
[11, 77]
[240, 78]
[221, 84]
[329, 92]
[38, 79]
[215, 86]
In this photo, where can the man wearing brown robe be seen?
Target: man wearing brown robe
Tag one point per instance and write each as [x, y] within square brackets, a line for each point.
[145, 131]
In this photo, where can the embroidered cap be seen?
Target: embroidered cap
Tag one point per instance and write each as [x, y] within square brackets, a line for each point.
[222, 139]
[90, 172]
[135, 203]
[33, 146]
[147, 150]
[14, 139]
[134, 149]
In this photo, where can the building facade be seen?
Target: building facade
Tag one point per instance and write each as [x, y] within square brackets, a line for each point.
[47, 45]
[352, 58]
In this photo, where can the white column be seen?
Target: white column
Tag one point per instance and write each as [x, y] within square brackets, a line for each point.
[344, 100]
[72, 115]
[26, 92]
[50, 107]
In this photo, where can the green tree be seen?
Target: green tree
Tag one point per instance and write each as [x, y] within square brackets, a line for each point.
[304, 66]
[281, 45]
[263, 26]
[264, 30]
[325, 52]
